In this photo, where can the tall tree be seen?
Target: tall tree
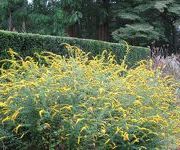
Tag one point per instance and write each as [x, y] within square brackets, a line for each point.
[53, 16]
[137, 21]
[73, 14]
[141, 22]
[96, 18]
[10, 11]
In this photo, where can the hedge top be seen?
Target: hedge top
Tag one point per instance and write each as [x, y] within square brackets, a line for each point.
[27, 44]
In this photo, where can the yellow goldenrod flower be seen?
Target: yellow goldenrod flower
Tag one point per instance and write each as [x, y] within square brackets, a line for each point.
[126, 136]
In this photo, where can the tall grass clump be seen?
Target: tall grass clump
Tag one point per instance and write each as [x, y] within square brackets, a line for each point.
[53, 102]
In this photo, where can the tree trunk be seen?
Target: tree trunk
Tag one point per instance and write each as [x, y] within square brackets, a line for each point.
[103, 28]
[169, 30]
[103, 33]
[73, 30]
[23, 26]
[10, 26]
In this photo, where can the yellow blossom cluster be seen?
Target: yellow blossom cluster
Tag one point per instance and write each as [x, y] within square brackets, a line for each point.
[80, 102]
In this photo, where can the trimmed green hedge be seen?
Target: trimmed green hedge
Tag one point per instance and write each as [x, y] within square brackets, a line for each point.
[27, 44]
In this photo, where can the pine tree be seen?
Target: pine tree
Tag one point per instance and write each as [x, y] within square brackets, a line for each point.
[12, 12]
[53, 16]
[141, 22]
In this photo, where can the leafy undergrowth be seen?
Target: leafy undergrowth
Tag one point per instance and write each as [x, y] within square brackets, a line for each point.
[53, 102]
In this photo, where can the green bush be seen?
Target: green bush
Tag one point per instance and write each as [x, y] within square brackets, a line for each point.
[53, 102]
[27, 44]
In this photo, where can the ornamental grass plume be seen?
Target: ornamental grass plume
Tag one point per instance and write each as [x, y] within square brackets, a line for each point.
[56, 102]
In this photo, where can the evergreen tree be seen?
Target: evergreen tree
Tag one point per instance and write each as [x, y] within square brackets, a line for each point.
[137, 21]
[52, 16]
[10, 13]
[141, 22]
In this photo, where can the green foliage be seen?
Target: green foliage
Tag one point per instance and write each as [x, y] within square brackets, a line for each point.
[39, 16]
[136, 33]
[142, 22]
[27, 44]
[13, 14]
[54, 102]
[138, 22]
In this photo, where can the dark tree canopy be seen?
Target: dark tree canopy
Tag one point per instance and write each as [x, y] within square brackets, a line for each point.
[138, 22]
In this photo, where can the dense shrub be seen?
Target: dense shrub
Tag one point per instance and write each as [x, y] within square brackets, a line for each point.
[53, 102]
[27, 44]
